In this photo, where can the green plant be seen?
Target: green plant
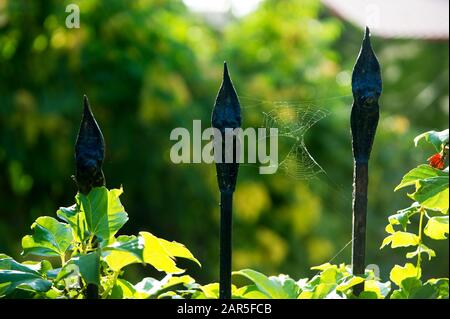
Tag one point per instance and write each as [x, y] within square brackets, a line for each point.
[430, 207]
[430, 197]
[87, 250]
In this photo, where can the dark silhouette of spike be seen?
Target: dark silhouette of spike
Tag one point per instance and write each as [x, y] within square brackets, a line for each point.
[226, 114]
[366, 87]
[89, 152]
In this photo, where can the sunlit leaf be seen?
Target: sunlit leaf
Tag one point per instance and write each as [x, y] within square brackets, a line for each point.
[437, 227]
[419, 173]
[401, 239]
[50, 238]
[399, 273]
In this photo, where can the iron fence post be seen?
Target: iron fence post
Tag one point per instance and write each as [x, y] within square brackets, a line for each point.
[366, 88]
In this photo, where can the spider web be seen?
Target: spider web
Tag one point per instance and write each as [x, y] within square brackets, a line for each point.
[293, 121]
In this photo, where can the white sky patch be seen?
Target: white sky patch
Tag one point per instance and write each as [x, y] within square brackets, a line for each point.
[238, 7]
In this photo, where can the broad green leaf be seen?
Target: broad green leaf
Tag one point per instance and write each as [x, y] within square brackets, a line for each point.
[178, 250]
[399, 273]
[422, 249]
[437, 227]
[156, 255]
[117, 216]
[401, 239]
[76, 219]
[103, 212]
[50, 238]
[160, 253]
[95, 208]
[432, 193]
[433, 137]
[14, 275]
[419, 173]
[272, 288]
[124, 251]
[89, 267]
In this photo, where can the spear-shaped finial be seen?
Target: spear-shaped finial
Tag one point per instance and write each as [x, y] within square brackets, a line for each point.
[366, 87]
[226, 115]
[89, 152]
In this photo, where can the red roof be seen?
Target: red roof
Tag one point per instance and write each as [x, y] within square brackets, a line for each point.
[419, 19]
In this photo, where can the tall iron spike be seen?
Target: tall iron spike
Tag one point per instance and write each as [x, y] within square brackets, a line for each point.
[366, 88]
[226, 114]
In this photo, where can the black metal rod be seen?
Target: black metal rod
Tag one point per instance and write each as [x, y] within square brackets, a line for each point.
[226, 243]
[359, 221]
[366, 88]
[226, 115]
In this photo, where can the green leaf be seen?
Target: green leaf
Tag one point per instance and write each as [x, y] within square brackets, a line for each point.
[160, 253]
[422, 249]
[421, 172]
[122, 290]
[50, 238]
[103, 212]
[124, 251]
[89, 267]
[432, 193]
[14, 275]
[433, 137]
[175, 249]
[437, 227]
[348, 282]
[76, 219]
[402, 216]
[272, 288]
[399, 273]
[401, 239]
[117, 216]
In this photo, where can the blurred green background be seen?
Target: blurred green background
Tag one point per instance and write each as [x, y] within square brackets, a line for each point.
[149, 66]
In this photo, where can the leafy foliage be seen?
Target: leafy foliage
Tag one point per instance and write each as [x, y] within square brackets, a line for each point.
[90, 253]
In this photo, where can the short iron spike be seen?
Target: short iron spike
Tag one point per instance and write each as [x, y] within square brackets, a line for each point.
[89, 152]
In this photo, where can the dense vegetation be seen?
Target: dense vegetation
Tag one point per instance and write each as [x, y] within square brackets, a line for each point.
[85, 241]
[151, 65]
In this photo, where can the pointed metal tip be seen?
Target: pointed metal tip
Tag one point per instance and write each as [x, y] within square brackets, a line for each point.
[226, 75]
[86, 106]
[367, 35]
